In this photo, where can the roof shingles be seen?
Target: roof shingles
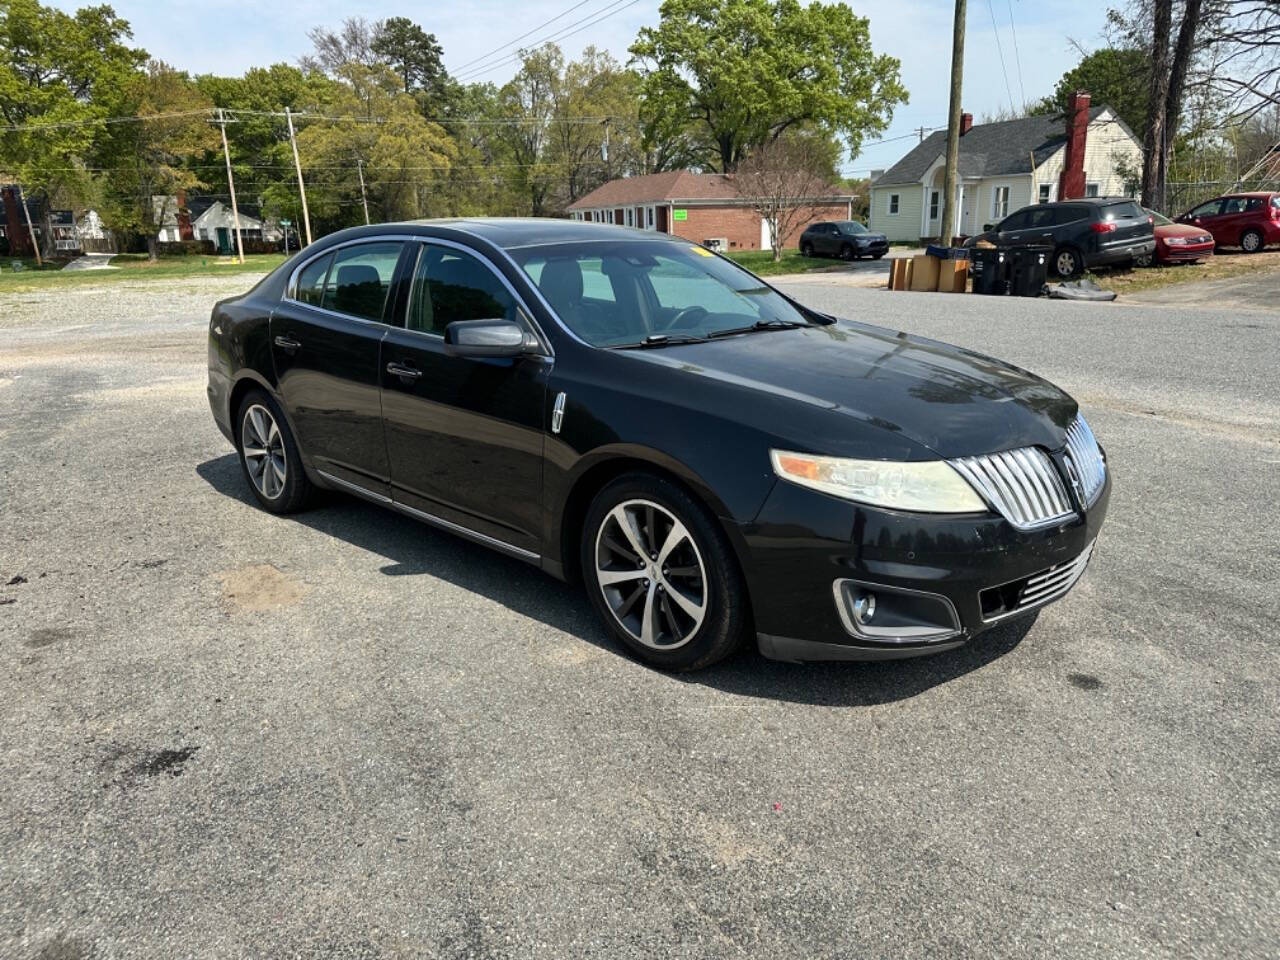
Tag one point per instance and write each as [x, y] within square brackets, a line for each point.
[672, 186]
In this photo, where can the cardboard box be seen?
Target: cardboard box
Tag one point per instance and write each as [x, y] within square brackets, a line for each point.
[954, 276]
[924, 272]
[900, 274]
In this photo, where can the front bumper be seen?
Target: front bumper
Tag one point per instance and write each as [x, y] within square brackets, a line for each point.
[803, 543]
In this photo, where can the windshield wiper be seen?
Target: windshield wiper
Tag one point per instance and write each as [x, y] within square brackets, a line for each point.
[758, 325]
[660, 340]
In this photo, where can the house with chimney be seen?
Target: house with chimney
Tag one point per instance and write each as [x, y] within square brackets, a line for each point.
[1005, 166]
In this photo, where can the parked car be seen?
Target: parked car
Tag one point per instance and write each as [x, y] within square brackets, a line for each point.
[846, 239]
[1180, 242]
[1250, 221]
[1093, 232]
[714, 460]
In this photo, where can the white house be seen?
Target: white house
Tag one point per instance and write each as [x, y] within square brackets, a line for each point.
[1005, 166]
[217, 223]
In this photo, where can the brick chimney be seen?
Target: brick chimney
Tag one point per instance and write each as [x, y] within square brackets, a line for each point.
[966, 123]
[184, 218]
[1071, 182]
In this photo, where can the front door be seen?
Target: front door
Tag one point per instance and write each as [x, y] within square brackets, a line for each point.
[326, 337]
[224, 240]
[464, 435]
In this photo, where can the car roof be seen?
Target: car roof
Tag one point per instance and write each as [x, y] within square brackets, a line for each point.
[512, 232]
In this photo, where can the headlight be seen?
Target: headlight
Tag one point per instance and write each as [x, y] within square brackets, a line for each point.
[928, 486]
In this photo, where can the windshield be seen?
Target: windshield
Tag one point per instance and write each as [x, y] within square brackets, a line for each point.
[623, 292]
[851, 227]
[1159, 218]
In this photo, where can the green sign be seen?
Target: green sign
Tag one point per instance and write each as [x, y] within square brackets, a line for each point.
[680, 215]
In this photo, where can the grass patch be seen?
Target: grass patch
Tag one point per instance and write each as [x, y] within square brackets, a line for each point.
[760, 262]
[1218, 267]
[132, 267]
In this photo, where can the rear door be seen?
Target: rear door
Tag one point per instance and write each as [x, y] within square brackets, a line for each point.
[326, 337]
[464, 435]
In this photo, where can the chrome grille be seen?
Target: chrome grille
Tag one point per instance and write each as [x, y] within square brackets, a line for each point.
[1084, 455]
[1048, 585]
[1022, 485]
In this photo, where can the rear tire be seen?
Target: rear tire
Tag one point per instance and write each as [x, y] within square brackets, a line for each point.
[269, 455]
[1251, 241]
[806, 250]
[662, 575]
[1067, 263]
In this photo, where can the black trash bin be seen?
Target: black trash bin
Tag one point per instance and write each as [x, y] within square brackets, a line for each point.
[1029, 270]
[990, 269]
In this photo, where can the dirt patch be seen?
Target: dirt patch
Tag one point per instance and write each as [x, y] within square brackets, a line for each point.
[47, 636]
[258, 588]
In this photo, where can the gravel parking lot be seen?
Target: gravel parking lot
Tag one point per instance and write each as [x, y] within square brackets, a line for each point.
[227, 734]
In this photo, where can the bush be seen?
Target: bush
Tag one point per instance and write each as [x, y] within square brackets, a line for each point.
[262, 246]
[186, 248]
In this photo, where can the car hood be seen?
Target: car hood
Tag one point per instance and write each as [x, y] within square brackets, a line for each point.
[1166, 230]
[953, 401]
[866, 237]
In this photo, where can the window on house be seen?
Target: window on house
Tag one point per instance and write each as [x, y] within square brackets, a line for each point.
[648, 217]
[893, 204]
[630, 217]
[999, 203]
[1092, 189]
[934, 198]
[1045, 190]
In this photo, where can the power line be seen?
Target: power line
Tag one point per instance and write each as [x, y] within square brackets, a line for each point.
[470, 75]
[1000, 50]
[509, 43]
[1017, 57]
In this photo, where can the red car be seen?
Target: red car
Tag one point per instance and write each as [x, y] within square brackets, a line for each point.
[1178, 242]
[1246, 220]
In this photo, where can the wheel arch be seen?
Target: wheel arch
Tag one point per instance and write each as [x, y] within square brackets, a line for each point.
[604, 466]
[247, 380]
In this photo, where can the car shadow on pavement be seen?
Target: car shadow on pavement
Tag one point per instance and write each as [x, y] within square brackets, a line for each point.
[418, 549]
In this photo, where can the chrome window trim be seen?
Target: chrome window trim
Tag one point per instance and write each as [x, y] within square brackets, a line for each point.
[522, 306]
[291, 288]
[475, 535]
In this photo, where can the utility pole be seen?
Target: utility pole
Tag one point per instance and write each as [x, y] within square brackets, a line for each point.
[922, 131]
[950, 216]
[297, 165]
[35, 244]
[363, 198]
[231, 183]
[608, 164]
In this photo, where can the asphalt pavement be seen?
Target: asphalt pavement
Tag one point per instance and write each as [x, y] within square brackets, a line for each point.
[228, 734]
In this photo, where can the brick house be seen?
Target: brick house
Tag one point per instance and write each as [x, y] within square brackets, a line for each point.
[703, 207]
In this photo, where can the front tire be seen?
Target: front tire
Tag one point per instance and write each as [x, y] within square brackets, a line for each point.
[1251, 241]
[846, 253]
[806, 250]
[269, 455]
[662, 575]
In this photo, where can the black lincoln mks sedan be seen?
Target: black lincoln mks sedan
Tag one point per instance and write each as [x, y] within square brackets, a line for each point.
[711, 458]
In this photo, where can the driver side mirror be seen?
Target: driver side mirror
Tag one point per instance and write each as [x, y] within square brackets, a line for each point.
[988, 227]
[488, 338]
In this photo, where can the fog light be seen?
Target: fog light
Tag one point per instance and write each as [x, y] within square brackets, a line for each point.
[864, 608]
[888, 614]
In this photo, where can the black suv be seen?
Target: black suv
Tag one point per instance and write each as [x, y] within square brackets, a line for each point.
[1098, 231]
[846, 239]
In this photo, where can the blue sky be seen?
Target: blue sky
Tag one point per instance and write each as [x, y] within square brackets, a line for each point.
[231, 35]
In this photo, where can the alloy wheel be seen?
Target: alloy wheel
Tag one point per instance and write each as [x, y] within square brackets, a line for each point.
[263, 447]
[651, 574]
[1066, 264]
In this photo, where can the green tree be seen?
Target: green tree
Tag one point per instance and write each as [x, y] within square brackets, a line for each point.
[404, 157]
[742, 72]
[1117, 76]
[146, 162]
[413, 53]
[56, 70]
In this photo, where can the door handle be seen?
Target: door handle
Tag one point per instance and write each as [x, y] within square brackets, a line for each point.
[405, 373]
[288, 344]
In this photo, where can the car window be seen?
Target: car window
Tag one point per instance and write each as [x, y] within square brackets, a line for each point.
[1042, 217]
[450, 285]
[310, 285]
[1017, 221]
[360, 278]
[1209, 209]
[1275, 202]
[1123, 211]
[1253, 203]
[1072, 213]
[620, 292]
[1232, 205]
[851, 227]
